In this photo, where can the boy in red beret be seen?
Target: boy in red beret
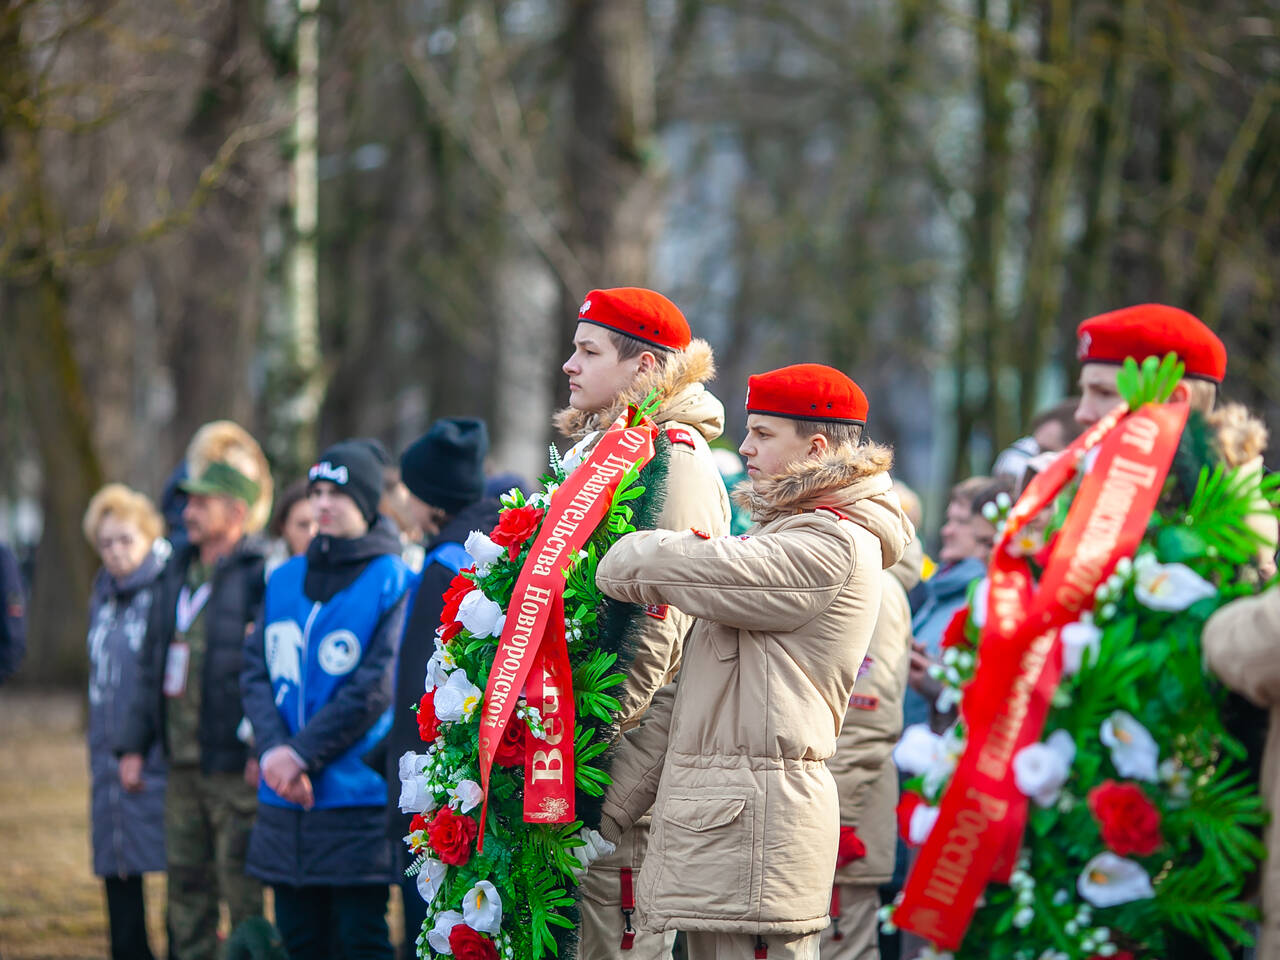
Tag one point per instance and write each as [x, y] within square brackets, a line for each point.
[1153, 330]
[732, 757]
[630, 341]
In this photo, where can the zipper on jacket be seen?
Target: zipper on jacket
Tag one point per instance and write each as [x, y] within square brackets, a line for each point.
[304, 664]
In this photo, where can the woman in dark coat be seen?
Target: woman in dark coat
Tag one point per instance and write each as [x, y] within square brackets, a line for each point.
[128, 828]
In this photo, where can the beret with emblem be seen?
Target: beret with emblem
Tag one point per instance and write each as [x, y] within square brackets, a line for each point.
[640, 313]
[807, 391]
[1152, 330]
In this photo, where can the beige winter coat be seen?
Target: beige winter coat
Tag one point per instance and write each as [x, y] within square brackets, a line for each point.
[732, 757]
[864, 772]
[1242, 646]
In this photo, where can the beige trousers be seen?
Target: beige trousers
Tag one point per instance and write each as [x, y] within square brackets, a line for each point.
[602, 924]
[742, 946]
[858, 925]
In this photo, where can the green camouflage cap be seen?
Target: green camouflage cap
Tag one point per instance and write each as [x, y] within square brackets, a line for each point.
[222, 480]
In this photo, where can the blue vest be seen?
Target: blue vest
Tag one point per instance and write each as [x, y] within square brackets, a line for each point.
[311, 650]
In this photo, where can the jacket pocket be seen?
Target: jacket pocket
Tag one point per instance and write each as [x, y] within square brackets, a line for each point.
[724, 642]
[706, 854]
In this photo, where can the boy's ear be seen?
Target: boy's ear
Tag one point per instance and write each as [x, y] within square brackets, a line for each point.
[818, 444]
[1181, 393]
[647, 362]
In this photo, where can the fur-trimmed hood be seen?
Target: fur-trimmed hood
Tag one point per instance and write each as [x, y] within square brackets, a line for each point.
[853, 480]
[684, 398]
[1240, 436]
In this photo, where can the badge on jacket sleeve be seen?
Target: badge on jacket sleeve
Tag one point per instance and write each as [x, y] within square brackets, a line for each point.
[681, 435]
[656, 610]
[864, 701]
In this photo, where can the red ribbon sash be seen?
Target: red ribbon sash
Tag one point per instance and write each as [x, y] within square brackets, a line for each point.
[532, 646]
[982, 814]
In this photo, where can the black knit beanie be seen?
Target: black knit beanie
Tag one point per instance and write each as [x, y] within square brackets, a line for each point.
[445, 466]
[353, 469]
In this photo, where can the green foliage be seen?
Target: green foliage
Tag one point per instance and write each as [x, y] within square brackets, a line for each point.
[1153, 382]
[1148, 664]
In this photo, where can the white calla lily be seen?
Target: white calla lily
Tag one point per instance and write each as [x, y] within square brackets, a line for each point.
[438, 937]
[1109, 880]
[479, 615]
[466, 796]
[1080, 639]
[1133, 750]
[458, 698]
[1168, 587]
[430, 879]
[482, 908]
[1041, 769]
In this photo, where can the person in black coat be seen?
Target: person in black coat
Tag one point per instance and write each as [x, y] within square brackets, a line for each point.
[444, 472]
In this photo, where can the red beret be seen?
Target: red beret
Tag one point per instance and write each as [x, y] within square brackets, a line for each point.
[807, 391]
[1152, 330]
[638, 313]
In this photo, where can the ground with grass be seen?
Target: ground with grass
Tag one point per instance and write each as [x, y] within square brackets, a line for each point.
[51, 904]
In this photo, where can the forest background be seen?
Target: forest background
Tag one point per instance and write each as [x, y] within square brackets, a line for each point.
[327, 218]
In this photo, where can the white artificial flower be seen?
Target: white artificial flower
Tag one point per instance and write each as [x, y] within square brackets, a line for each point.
[437, 672]
[930, 952]
[1177, 778]
[950, 750]
[438, 937]
[918, 750]
[923, 818]
[1041, 769]
[1168, 586]
[978, 608]
[458, 698]
[483, 551]
[479, 615]
[416, 795]
[948, 699]
[482, 908]
[1133, 750]
[412, 764]
[430, 878]
[466, 796]
[1078, 639]
[1109, 880]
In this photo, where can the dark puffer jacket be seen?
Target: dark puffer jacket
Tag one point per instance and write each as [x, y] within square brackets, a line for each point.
[128, 828]
[230, 613]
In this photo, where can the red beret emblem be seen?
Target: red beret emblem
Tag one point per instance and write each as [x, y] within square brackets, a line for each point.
[582, 310]
[1082, 350]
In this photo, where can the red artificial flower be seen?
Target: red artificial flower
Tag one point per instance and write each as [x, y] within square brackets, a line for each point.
[954, 635]
[511, 748]
[451, 836]
[1127, 820]
[428, 725]
[467, 944]
[907, 804]
[515, 527]
[459, 587]
[419, 822]
[851, 847]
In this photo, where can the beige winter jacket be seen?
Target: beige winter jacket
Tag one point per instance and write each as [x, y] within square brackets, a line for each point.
[694, 496]
[732, 757]
[1242, 646]
[865, 774]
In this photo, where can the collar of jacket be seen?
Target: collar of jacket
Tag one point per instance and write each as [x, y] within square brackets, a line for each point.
[684, 399]
[852, 480]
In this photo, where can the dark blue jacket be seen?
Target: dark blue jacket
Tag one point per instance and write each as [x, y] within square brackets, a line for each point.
[128, 828]
[939, 598]
[326, 691]
[13, 615]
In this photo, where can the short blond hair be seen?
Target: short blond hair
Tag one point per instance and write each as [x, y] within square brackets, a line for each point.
[1202, 395]
[117, 500]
